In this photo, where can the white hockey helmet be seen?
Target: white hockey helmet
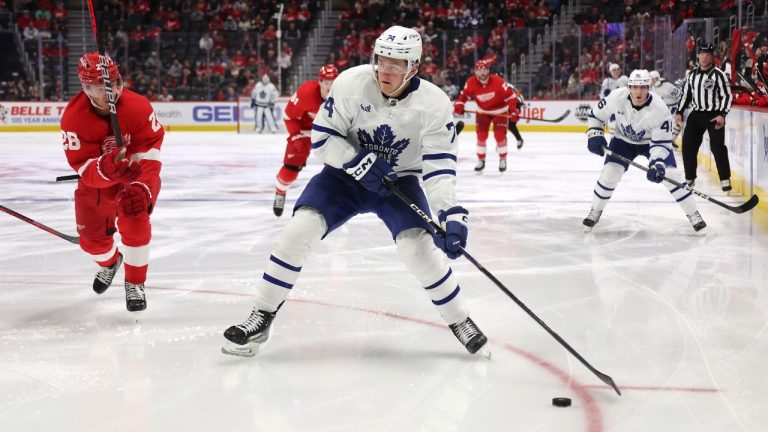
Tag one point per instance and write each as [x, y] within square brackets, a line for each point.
[399, 43]
[654, 75]
[265, 79]
[639, 77]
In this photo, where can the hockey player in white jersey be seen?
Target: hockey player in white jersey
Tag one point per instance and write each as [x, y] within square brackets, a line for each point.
[670, 94]
[379, 121]
[643, 126]
[616, 80]
[263, 98]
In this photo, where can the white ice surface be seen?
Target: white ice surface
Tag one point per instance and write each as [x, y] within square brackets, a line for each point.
[677, 319]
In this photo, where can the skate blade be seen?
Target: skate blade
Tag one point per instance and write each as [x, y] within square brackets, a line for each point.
[247, 350]
[485, 351]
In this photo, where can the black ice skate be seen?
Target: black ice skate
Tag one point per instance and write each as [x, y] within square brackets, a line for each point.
[502, 165]
[480, 165]
[279, 204]
[726, 185]
[591, 220]
[104, 276]
[471, 337]
[520, 144]
[245, 339]
[697, 221]
[135, 300]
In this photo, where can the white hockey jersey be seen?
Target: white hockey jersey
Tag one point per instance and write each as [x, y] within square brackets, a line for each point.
[610, 84]
[669, 93]
[264, 95]
[650, 124]
[414, 133]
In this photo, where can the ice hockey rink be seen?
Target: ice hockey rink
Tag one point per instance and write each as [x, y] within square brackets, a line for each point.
[678, 319]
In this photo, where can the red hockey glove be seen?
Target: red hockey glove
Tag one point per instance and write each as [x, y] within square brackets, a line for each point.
[116, 167]
[514, 113]
[458, 109]
[135, 200]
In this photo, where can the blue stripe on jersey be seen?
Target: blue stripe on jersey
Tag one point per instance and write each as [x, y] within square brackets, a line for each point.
[434, 285]
[606, 188]
[276, 281]
[439, 156]
[439, 172]
[317, 145]
[447, 299]
[327, 130]
[284, 264]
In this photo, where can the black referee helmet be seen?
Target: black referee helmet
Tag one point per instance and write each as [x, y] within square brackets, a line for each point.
[706, 48]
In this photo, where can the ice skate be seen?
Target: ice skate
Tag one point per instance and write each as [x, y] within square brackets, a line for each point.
[726, 185]
[245, 339]
[471, 337]
[135, 300]
[591, 220]
[480, 165]
[502, 165]
[279, 204]
[104, 276]
[697, 221]
[520, 144]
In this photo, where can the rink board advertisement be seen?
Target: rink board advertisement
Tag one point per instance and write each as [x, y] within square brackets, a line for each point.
[194, 116]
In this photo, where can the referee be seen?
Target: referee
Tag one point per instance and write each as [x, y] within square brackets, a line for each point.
[707, 88]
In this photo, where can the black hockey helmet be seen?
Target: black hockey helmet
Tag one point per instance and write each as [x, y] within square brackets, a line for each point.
[705, 47]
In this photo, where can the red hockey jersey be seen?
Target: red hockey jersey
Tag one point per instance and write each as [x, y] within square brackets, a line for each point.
[302, 108]
[493, 97]
[87, 135]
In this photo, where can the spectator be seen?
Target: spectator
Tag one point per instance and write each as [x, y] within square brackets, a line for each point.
[165, 96]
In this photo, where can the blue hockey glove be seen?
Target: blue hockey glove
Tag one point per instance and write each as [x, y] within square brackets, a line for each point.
[454, 221]
[596, 141]
[370, 170]
[656, 170]
[253, 103]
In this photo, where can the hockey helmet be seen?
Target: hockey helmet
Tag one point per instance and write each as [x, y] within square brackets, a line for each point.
[265, 79]
[654, 75]
[399, 43]
[614, 67]
[639, 77]
[89, 70]
[482, 64]
[327, 73]
[705, 48]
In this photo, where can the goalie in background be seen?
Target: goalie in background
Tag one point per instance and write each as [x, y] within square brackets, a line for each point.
[299, 114]
[263, 98]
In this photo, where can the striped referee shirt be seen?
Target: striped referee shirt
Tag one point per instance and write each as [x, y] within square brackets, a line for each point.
[708, 90]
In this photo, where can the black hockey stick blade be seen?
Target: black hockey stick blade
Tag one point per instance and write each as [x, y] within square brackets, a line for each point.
[747, 206]
[459, 127]
[557, 120]
[67, 178]
[49, 230]
[404, 198]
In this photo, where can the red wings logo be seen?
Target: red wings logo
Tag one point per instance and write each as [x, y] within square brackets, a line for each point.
[485, 97]
[109, 143]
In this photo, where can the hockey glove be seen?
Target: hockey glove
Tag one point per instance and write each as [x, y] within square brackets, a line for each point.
[514, 113]
[656, 170]
[135, 200]
[458, 108]
[253, 103]
[454, 221]
[370, 170]
[116, 167]
[596, 141]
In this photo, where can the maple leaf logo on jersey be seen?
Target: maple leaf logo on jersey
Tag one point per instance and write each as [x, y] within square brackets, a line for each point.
[109, 143]
[630, 133]
[383, 143]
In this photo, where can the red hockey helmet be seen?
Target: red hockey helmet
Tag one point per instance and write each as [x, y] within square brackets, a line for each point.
[328, 73]
[89, 69]
[482, 64]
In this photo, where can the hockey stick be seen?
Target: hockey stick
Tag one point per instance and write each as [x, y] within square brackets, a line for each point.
[747, 206]
[67, 177]
[111, 100]
[69, 238]
[557, 120]
[404, 198]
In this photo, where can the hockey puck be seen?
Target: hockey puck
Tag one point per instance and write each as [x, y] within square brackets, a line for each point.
[561, 402]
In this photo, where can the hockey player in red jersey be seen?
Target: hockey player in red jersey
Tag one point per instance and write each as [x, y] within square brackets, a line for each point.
[118, 187]
[299, 114]
[495, 100]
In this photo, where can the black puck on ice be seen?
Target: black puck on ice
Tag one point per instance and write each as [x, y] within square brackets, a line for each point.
[561, 402]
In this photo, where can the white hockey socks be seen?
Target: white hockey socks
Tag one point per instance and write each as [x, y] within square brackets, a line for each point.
[606, 184]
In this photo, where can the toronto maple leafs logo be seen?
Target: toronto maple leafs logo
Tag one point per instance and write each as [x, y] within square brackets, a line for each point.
[630, 132]
[383, 143]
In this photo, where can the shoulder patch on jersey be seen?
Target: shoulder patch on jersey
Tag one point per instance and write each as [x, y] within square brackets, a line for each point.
[383, 143]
